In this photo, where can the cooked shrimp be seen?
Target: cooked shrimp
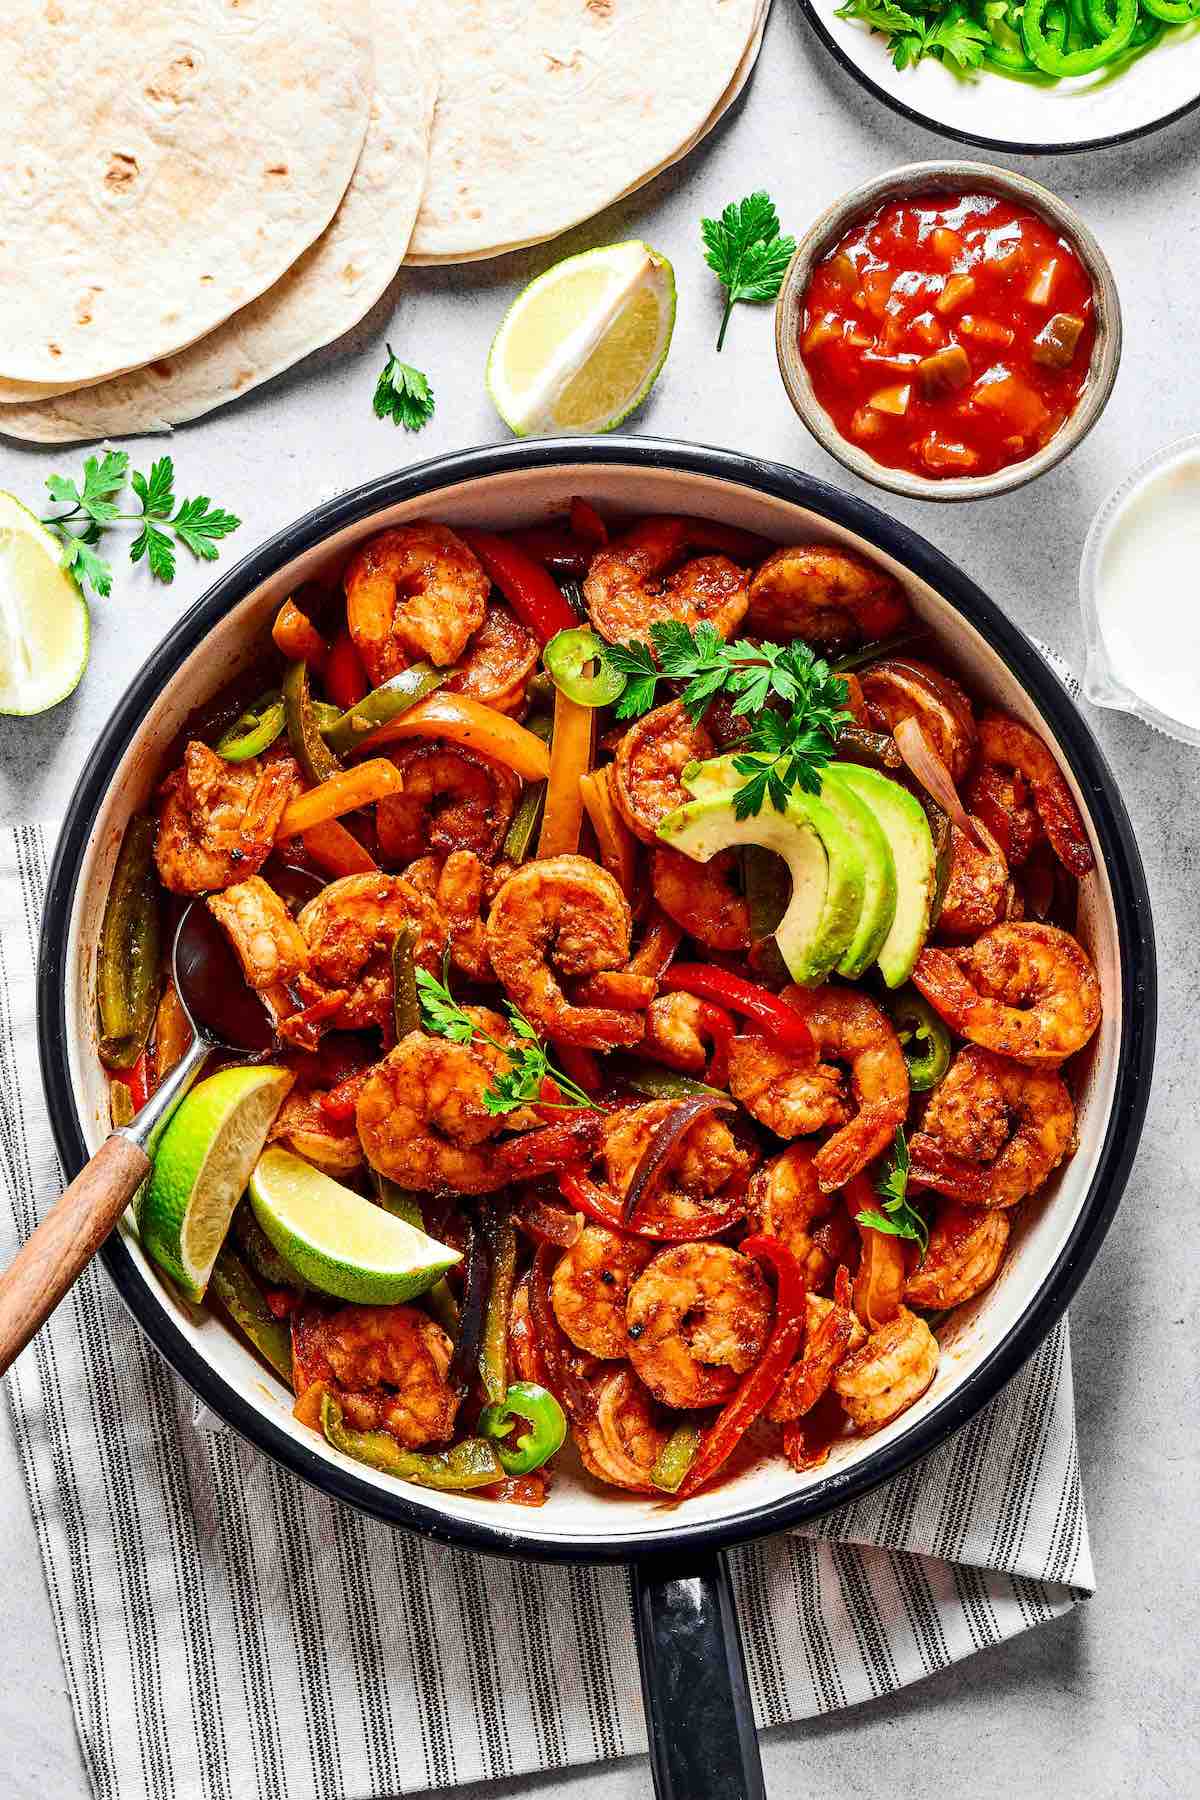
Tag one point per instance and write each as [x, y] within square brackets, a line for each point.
[568, 912]
[642, 578]
[825, 594]
[621, 1442]
[979, 893]
[421, 1114]
[709, 1166]
[498, 663]
[1001, 798]
[385, 1366]
[831, 1331]
[270, 945]
[785, 1201]
[650, 759]
[1025, 990]
[702, 897]
[414, 592]
[1007, 744]
[698, 1317]
[849, 1028]
[966, 1248]
[903, 689]
[330, 1144]
[1017, 1122]
[460, 892]
[591, 1284]
[791, 1095]
[219, 819]
[350, 928]
[675, 1033]
[452, 800]
[889, 1373]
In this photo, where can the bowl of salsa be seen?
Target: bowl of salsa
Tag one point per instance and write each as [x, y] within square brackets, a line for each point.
[949, 330]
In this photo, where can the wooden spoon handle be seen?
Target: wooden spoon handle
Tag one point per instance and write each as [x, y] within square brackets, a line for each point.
[66, 1240]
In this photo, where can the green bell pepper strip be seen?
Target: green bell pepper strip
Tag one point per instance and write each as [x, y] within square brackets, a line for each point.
[658, 1083]
[923, 1037]
[382, 705]
[493, 1346]
[1042, 42]
[403, 1204]
[471, 1464]
[676, 1457]
[256, 730]
[233, 1285]
[1173, 12]
[532, 1448]
[565, 656]
[406, 1008]
[128, 971]
[522, 832]
[304, 733]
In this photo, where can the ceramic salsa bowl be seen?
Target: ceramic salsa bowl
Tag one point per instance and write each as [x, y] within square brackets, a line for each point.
[681, 1601]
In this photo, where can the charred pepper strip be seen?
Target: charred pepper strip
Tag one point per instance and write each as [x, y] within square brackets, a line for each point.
[128, 975]
[381, 705]
[493, 1345]
[233, 1285]
[530, 1449]
[471, 1464]
[304, 732]
[406, 1008]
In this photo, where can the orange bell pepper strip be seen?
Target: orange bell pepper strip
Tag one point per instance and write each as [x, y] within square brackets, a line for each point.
[618, 846]
[462, 720]
[570, 755]
[297, 636]
[342, 793]
[337, 850]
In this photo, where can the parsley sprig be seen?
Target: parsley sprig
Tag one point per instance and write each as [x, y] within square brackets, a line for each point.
[919, 29]
[746, 253]
[899, 1218]
[92, 507]
[403, 394]
[521, 1084]
[796, 699]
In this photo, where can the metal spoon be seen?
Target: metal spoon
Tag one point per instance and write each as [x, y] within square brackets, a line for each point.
[224, 1015]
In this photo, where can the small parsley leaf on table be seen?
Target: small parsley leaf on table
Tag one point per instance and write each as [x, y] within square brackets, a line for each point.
[403, 394]
[746, 253]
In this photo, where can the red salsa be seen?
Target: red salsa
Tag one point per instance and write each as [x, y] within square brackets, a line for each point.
[950, 334]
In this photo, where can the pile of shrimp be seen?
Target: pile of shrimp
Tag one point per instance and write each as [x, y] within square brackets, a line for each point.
[634, 1300]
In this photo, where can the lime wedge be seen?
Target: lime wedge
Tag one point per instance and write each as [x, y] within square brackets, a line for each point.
[339, 1242]
[43, 616]
[201, 1168]
[582, 346]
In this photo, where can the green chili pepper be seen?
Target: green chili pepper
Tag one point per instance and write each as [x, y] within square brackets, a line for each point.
[658, 1083]
[522, 832]
[304, 734]
[532, 1448]
[381, 705]
[1172, 12]
[256, 730]
[1042, 39]
[129, 972]
[924, 1039]
[403, 1204]
[471, 1464]
[565, 656]
[406, 1008]
[233, 1285]
[258, 1250]
[676, 1457]
[493, 1345]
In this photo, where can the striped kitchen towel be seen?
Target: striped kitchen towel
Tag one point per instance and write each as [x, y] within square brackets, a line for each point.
[227, 1632]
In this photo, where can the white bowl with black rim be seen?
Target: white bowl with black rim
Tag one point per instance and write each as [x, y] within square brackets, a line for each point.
[701, 1729]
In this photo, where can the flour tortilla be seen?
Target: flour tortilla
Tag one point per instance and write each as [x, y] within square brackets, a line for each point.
[162, 163]
[325, 293]
[549, 110]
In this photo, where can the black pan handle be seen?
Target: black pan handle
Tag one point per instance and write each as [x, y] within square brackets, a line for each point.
[703, 1745]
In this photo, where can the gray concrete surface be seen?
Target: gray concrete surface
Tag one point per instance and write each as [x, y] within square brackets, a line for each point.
[1099, 1704]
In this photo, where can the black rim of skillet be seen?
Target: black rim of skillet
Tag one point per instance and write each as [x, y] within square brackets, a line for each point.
[1013, 146]
[404, 1506]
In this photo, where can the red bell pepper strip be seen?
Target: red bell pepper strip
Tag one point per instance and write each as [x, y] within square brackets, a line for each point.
[345, 678]
[533, 595]
[721, 1029]
[342, 1101]
[586, 523]
[758, 1385]
[773, 1016]
[585, 1197]
[139, 1082]
[555, 549]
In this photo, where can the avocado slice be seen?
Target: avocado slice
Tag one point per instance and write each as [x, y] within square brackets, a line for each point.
[906, 828]
[879, 873]
[824, 860]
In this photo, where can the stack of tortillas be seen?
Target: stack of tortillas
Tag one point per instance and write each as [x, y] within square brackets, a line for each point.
[194, 194]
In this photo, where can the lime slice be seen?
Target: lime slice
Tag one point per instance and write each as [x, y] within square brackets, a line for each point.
[201, 1168]
[339, 1242]
[582, 346]
[43, 616]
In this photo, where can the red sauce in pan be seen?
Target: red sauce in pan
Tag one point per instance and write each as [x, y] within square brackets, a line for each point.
[950, 334]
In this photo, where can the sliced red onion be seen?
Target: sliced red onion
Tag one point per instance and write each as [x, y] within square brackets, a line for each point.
[929, 769]
[665, 1140]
